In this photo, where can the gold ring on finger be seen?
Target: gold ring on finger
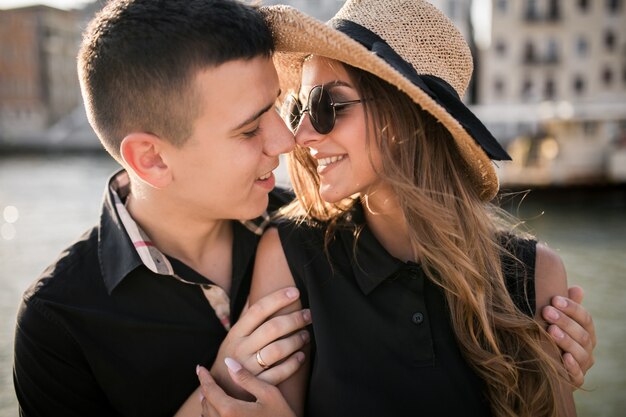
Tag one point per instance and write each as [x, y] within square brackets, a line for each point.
[260, 361]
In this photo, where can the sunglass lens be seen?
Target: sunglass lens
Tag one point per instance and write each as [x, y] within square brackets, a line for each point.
[321, 110]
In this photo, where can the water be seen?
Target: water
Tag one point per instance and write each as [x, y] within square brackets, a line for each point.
[47, 201]
[588, 230]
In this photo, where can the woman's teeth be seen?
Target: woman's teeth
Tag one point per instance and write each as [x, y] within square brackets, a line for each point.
[264, 177]
[322, 162]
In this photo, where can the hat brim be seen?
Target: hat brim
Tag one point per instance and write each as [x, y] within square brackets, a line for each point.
[297, 35]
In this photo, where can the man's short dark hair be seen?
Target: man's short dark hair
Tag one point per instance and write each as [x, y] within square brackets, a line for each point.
[139, 58]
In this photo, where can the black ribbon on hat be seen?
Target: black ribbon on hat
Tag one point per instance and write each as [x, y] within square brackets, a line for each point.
[437, 88]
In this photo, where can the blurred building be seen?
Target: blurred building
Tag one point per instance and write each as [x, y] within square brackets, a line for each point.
[459, 12]
[40, 103]
[38, 81]
[552, 84]
[320, 9]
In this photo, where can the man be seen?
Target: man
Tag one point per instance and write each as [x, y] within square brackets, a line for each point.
[181, 94]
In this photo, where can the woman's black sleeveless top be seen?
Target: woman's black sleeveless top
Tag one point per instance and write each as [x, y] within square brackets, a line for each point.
[382, 340]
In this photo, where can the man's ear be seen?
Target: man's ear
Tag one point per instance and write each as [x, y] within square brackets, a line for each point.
[143, 154]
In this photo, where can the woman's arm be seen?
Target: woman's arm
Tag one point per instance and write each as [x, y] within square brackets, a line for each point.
[279, 337]
[271, 277]
[550, 281]
[271, 272]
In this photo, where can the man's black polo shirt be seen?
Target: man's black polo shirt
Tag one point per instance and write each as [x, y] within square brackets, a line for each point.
[101, 334]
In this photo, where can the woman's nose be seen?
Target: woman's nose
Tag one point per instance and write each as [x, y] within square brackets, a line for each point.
[305, 133]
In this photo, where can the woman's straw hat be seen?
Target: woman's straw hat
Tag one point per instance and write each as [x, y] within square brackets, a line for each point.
[411, 45]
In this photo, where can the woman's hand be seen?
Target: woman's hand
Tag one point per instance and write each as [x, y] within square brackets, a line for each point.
[255, 341]
[216, 403]
[572, 328]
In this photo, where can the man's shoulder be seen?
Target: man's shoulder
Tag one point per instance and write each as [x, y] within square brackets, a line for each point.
[278, 198]
[67, 273]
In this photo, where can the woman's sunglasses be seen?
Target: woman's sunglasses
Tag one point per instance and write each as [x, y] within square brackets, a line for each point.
[321, 109]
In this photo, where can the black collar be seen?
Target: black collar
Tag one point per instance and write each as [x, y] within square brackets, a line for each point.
[116, 252]
[118, 256]
[370, 261]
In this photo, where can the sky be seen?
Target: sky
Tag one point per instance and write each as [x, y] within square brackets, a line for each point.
[61, 4]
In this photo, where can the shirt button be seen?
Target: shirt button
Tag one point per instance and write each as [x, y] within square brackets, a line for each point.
[417, 318]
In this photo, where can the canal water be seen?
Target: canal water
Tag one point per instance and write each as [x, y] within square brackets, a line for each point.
[47, 201]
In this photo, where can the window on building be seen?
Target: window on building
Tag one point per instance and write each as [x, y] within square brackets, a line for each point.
[552, 55]
[527, 88]
[590, 127]
[609, 40]
[532, 10]
[550, 89]
[607, 76]
[614, 5]
[529, 52]
[498, 86]
[583, 4]
[501, 47]
[582, 46]
[579, 85]
[452, 9]
[502, 6]
[554, 10]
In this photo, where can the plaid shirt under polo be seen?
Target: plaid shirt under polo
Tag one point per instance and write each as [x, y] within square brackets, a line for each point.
[115, 328]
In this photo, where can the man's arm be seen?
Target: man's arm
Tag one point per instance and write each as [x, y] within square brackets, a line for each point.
[50, 373]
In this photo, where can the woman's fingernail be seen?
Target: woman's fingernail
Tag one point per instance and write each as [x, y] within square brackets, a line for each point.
[560, 302]
[232, 364]
[305, 336]
[558, 333]
[552, 314]
[300, 357]
[291, 293]
[306, 315]
[197, 369]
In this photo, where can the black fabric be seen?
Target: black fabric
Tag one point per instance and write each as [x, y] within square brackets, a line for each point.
[437, 88]
[99, 334]
[382, 340]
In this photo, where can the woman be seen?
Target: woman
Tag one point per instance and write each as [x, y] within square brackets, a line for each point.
[423, 298]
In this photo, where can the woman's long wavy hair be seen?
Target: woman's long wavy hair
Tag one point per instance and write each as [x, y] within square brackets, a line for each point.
[455, 238]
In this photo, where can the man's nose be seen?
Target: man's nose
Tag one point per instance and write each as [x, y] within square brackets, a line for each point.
[279, 138]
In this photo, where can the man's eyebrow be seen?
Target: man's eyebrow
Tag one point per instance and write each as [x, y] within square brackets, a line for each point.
[257, 114]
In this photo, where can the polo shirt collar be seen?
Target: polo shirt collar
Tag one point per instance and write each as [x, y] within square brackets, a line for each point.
[117, 254]
[370, 262]
[123, 246]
